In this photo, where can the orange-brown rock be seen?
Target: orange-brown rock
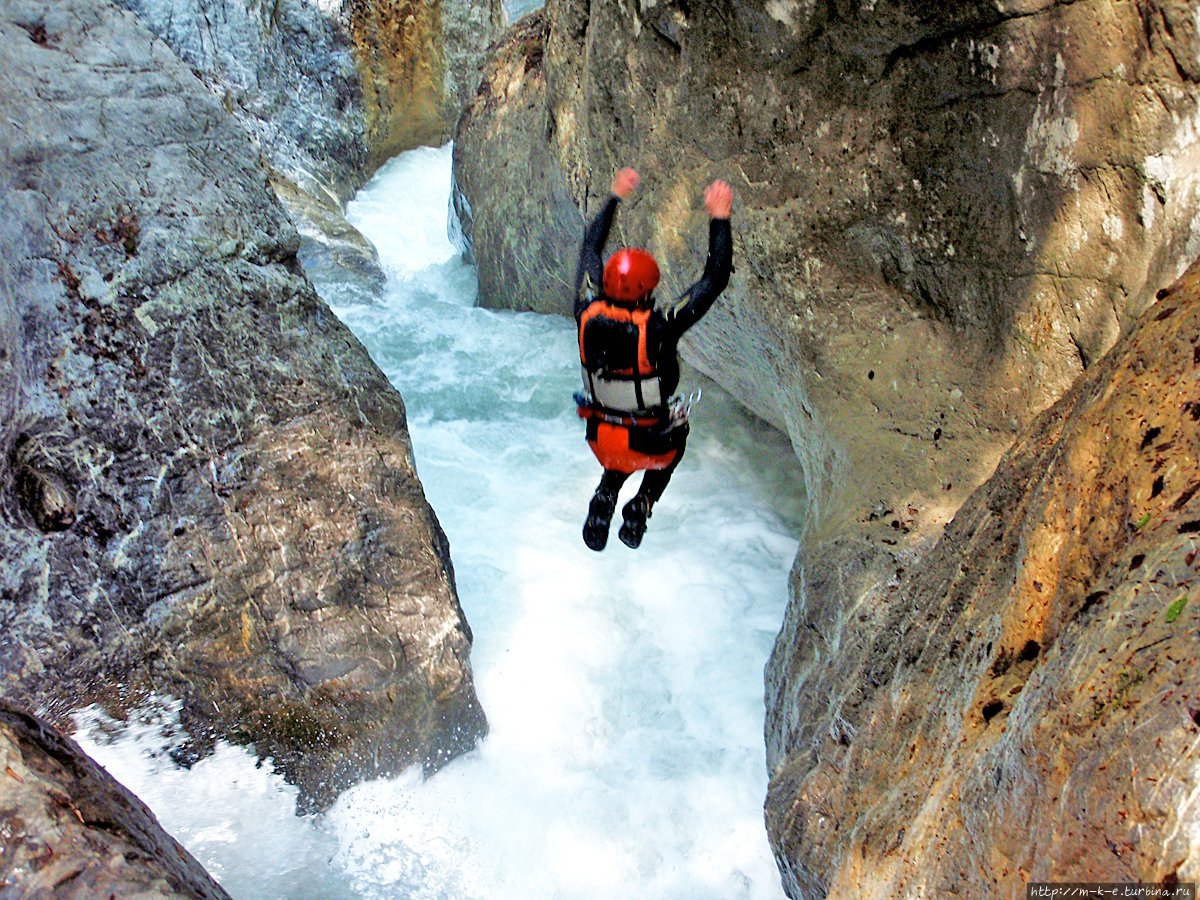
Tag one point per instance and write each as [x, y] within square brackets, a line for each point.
[415, 74]
[1023, 703]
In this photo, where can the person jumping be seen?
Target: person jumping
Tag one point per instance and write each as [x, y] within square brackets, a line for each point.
[629, 352]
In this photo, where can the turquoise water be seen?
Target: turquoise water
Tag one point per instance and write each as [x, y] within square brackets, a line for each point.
[515, 9]
[624, 689]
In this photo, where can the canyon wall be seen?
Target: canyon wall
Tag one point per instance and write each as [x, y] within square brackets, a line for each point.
[1022, 702]
[944, 218]
[329, 91]
[206, 486]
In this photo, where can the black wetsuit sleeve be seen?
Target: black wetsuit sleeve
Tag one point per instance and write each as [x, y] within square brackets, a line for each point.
[695, 301]
[590, 272]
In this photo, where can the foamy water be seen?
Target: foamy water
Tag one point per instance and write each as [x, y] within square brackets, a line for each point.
[624, 689]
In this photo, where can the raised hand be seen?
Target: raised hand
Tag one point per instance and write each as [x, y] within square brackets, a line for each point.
[625, 182]
[718, 199]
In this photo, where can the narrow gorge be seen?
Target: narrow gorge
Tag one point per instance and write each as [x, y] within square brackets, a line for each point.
[958, 364]
[952, 230]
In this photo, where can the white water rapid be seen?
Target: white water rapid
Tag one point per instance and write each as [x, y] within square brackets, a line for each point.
[624, 688]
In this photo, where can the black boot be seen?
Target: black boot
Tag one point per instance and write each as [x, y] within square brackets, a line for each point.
[635, 513]
[600, 513]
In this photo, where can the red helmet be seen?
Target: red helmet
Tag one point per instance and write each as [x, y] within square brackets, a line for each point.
[630, 274]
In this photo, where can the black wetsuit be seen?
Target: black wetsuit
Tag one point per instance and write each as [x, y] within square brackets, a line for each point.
[664, 329]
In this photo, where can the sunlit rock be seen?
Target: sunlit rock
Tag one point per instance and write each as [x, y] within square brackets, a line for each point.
[1022, 705]
[942, 216]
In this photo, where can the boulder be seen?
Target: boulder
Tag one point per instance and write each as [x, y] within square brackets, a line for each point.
[207, 485]
[69, 829]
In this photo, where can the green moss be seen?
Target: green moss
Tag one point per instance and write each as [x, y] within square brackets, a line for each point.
[1175, 609]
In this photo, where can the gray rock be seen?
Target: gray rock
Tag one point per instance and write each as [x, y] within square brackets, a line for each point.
[286, 70]
[525, 258]
[469, 27]
[68, 829]
[328, 91]
[207, 486]
[418, 63]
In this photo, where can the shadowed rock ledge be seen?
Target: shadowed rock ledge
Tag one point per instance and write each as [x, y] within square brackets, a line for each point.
[206, 486]
[71, 831]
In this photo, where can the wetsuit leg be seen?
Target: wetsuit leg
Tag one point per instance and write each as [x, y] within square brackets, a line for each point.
[654, 482]
[600, 510]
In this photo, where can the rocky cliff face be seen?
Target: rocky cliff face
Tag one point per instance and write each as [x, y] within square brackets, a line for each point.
[418, 64]
[207, 487]
[330, 90]
[70, 830]
[526, 239]
[286, 70]
[1024, 704]
[944, 217]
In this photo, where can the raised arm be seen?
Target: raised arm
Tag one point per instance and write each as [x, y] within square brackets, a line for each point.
[589, 274]
[695, 301]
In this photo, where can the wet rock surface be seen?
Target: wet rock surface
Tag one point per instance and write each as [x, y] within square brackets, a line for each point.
[207, 486]
[68, 829]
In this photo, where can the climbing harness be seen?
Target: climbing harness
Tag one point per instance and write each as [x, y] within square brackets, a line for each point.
[633, 442]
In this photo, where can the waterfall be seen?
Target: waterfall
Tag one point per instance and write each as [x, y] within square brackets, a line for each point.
[624, 688]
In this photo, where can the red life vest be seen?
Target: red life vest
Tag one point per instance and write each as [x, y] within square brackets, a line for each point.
[628, 444]
[614, 354]
[628, 427]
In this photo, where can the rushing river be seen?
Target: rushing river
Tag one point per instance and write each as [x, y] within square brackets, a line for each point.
[624, 688]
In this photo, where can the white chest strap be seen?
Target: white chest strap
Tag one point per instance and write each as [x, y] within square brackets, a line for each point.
[624, 394]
